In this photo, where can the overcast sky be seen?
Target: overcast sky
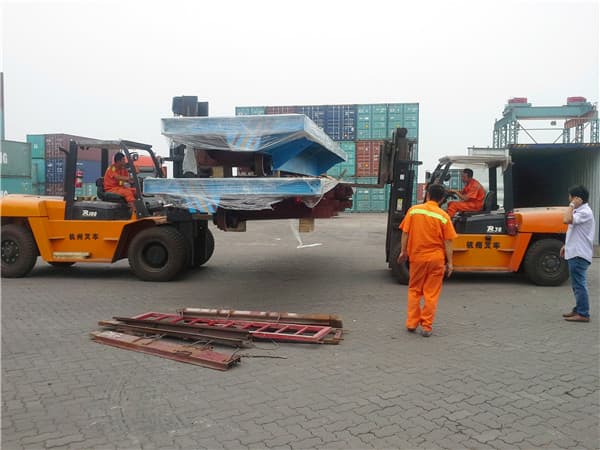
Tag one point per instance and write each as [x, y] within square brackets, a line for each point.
[108, 69]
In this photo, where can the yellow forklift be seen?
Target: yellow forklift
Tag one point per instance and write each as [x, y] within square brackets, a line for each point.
[160, 240]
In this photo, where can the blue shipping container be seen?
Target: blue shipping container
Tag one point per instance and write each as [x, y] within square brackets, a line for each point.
[55, 169]
[340, 122]
[316, 113]
[91, 170]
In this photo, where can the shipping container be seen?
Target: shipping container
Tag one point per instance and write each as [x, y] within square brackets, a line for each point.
[87, 190]
[38, 171]
[340, 122]
[15, 159]
[249, 110]
[347, 168]
[15, 185]
[421, 190]
[369, 199]
[367, 158]
[280, 110]
[371, 122]
[55, 169]
[91, 170]
[315, 112]
[55, 189]
[54, 142]
[38, 145]
[543, 173]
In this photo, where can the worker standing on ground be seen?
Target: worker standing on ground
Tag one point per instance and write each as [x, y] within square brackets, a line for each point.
[472, 195]
[117, 179]
[426, 242]
[578, 250]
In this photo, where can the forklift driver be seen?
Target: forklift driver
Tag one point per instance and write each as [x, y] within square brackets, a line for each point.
[117, 179]
[471, 196]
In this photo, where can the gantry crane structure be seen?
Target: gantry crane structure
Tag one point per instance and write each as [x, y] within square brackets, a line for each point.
[577, 114]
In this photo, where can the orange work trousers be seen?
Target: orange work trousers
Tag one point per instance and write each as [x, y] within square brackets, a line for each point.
[454, 207]
[425, 282]
[125, 192]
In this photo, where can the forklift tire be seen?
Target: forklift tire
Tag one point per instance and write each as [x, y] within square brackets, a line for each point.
[543, 264]
[207, 253]
[157, 254]
[400, 271]
[19, 251]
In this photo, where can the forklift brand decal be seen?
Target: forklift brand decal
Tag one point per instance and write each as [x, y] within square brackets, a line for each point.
[88, 213]
[480, 244]
[83, 236]
[494, 229]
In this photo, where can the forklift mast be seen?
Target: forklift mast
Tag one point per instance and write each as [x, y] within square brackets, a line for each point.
[397, 167]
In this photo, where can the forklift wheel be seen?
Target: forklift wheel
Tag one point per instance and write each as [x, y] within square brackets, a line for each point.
[204, 254]
[19, 251]
[157, 253]
[543, 264]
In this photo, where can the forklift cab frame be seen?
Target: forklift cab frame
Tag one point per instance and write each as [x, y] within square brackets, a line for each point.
[122, 146]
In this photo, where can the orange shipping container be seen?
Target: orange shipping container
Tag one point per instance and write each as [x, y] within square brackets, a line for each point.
[367, 158]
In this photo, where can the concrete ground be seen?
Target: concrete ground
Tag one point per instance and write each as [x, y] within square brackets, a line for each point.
[502, 369]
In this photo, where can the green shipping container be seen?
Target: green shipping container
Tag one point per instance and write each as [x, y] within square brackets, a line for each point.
[347, 168]
[38, 145]
[15, 185]
[38, 171]
[370, 199]
[15, 158]
[371, 121]
[87, 190]
[249, 110]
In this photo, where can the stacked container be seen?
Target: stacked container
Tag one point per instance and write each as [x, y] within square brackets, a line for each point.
[48, 164]
[15, 168]
[360, 131]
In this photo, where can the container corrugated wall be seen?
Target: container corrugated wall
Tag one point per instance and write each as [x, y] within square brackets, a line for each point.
[346, 168]
[587, 172]
[47, 162]
[38, 145]
[368, 199]
[547, 171]
[15, 185]
[15, 168]
[15, 159]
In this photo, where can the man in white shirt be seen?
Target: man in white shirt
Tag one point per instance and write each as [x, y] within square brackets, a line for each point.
[578, 250]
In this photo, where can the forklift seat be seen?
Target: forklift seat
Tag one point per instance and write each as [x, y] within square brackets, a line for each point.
[107, 196]
[489, 205]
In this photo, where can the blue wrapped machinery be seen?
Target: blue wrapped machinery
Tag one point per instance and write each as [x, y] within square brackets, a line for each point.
[205, 195]
[292, 142]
